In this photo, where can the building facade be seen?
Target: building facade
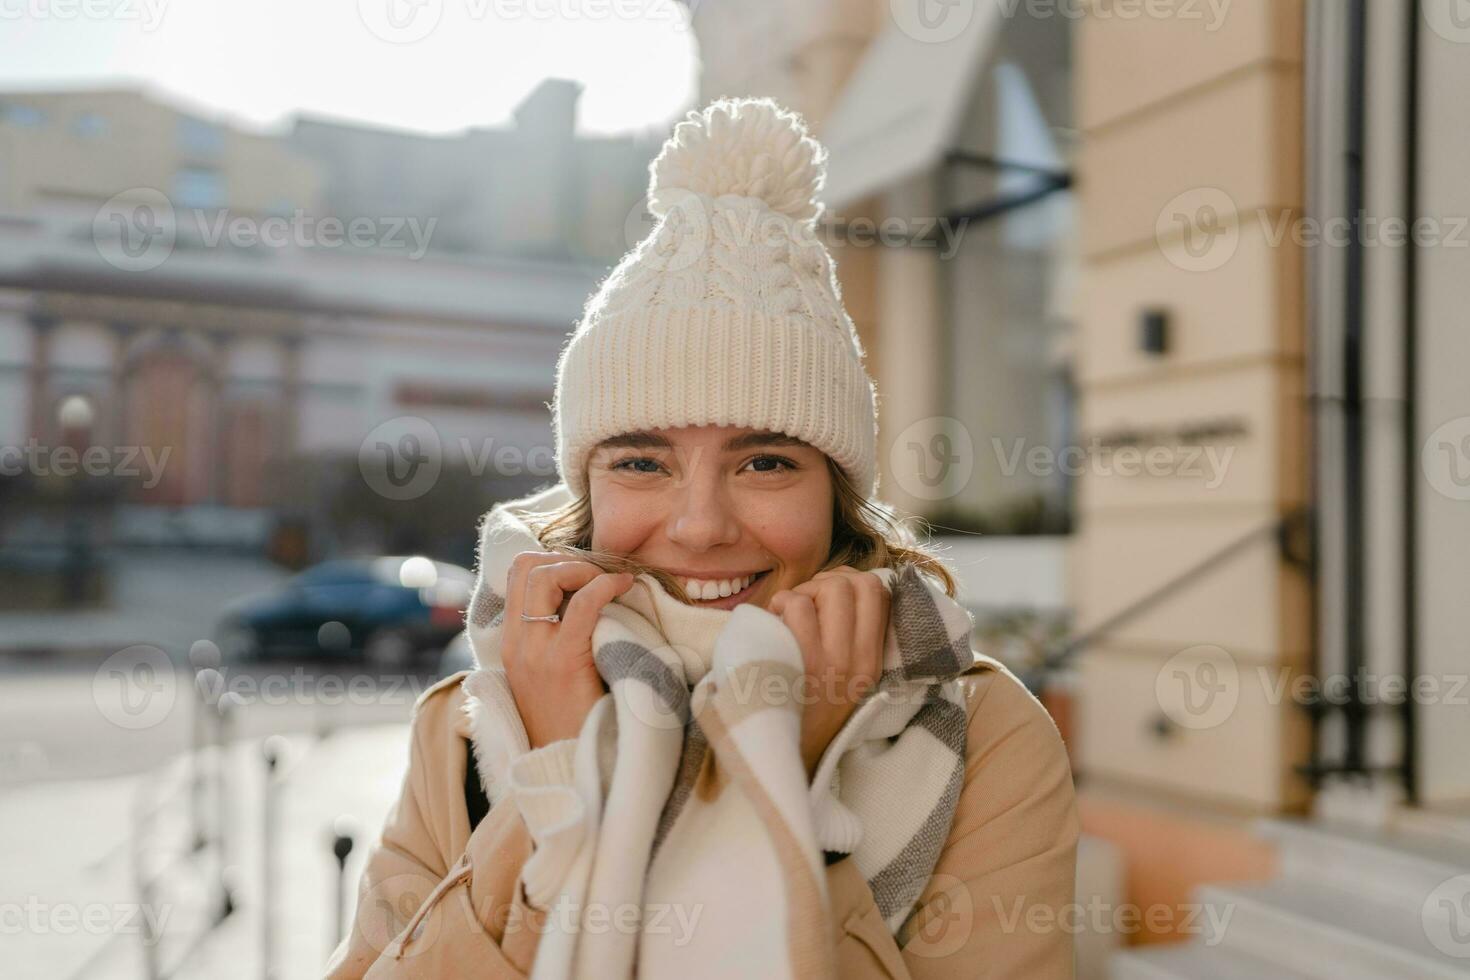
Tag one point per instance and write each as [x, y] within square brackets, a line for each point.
[237, 305]
[1211, 258]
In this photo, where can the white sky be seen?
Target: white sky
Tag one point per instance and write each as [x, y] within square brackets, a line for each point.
[256, 61]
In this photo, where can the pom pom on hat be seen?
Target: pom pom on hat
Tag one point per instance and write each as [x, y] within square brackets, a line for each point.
[750, 147]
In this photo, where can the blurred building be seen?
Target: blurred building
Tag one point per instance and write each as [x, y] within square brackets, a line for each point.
[256, 304]
[1258, 379]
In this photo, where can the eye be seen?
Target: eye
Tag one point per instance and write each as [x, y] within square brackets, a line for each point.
[630, 464]
[782, 464]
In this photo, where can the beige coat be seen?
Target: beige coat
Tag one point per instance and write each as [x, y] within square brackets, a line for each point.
[436, 900]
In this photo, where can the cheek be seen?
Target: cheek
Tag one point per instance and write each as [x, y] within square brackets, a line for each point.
[800, 537]
[619, 525]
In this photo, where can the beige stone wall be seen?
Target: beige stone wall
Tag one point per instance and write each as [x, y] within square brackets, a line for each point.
[1175, 117]
[142, 149]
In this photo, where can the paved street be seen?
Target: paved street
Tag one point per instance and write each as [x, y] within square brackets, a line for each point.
[74, 850]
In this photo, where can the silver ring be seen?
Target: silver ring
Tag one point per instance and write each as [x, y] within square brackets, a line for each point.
[553, 618]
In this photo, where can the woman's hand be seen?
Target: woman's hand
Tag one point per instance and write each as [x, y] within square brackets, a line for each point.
[840, 619]
[549, 666]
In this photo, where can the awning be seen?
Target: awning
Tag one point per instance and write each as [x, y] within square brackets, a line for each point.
[902, 108]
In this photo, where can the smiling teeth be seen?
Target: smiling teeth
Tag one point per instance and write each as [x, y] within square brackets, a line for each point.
[717, 588]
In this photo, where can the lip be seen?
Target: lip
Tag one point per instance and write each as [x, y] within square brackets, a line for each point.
[735, 598]
[712, 576]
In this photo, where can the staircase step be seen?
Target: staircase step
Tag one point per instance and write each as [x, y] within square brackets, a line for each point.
[1395, 866]
[1326, 932]
[1194, 961]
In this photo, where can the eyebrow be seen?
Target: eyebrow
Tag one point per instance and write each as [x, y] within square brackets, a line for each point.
[652, 440]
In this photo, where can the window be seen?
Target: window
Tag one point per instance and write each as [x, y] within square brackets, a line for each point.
[89, 125]
[28, 116]
[198, 138]
[198, 187]
[1009, 284]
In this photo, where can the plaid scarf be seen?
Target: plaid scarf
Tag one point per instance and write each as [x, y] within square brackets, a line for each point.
[685, 792]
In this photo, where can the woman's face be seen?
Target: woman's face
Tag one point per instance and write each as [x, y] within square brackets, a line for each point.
[714, 504]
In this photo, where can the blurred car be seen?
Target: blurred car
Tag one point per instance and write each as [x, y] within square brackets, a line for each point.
[392, 611]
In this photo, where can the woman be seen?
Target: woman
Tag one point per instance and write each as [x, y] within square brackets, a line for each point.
[726, 718]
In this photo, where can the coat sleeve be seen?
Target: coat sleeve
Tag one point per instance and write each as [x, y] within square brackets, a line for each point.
[1000, 903]
[435, 899]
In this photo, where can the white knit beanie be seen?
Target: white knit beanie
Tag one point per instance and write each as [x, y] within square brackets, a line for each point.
[729, 312]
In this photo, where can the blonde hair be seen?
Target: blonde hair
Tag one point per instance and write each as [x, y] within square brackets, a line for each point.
[866, 534]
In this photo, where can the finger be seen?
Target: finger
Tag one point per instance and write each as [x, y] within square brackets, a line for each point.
[871, 629]
[586, 607]
[800, 616]
[547, 585]
[515, 594]
[836, 605]
[832, 591]
[521, 567]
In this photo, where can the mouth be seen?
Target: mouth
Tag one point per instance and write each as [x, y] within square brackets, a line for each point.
[695, 588]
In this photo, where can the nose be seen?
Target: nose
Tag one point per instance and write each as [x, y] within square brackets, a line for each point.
[702, 517]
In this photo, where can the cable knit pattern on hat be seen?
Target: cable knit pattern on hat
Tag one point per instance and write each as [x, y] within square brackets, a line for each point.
[729, 312]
